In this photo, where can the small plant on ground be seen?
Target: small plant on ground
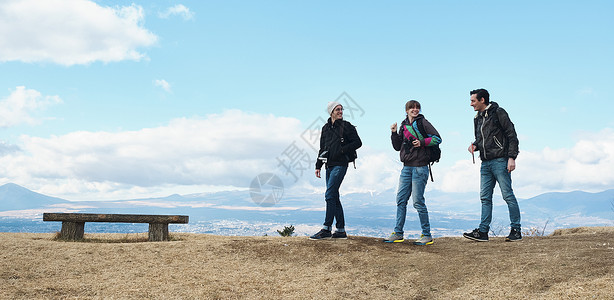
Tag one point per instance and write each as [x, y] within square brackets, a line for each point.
[288, 231]
[496, 228]
[534, 231]
[57, 236]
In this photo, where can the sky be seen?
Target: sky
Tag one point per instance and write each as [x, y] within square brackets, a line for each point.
[108, 100]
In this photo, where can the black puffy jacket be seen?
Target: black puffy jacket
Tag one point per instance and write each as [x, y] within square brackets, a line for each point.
[338, 145]
[495, 135]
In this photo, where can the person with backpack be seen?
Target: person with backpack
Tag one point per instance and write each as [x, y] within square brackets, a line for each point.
[338, 143]
[496, 139]
[415, 139]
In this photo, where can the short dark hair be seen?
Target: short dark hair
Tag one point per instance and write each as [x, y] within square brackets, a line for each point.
[412, 104]
[481, 93]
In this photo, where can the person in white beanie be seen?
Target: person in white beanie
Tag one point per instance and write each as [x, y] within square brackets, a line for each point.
[338, 143]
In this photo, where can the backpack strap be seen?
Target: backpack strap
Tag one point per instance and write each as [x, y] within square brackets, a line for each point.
[342, 140]
[424, 135]
[421, 127]
[431, 170]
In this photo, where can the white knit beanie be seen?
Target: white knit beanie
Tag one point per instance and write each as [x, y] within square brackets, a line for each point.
[331, 106]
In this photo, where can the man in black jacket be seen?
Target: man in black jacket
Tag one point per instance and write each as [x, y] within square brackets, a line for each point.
[338, 143]
[495, 138]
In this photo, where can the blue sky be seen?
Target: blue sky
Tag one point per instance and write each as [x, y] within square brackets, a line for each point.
[122, 99]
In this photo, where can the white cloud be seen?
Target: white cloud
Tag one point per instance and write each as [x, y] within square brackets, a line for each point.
[177, 10]
[70, 32]
[462, 177]
[222, 150]
[375, 172]
[226, 151]
[163, 84]
[586, 166]
[21, 106]
[586, 91]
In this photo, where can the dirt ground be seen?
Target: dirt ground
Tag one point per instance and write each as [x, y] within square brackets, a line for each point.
[570, 264]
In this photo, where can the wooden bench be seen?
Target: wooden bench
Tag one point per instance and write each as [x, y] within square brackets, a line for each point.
[73, 224]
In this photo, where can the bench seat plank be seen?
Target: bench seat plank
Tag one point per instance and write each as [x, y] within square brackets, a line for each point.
[114, 218]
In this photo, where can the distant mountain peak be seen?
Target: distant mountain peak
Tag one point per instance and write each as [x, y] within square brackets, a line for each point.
[11, 185]
[16, 197]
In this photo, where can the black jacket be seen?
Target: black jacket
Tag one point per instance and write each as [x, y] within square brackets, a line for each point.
[339, 139]
[495, 135]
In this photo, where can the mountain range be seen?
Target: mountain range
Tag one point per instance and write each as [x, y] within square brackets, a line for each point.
[368, 214]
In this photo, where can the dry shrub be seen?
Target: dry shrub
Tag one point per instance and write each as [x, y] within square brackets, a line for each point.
[583, 230]
[534, 231]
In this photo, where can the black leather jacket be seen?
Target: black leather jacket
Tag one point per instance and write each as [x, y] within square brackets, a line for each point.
[495, 135]
[337, 144]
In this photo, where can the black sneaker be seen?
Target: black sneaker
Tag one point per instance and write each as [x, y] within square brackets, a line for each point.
[321, 235]
[477, 235]
[340, 235]
[514, 236]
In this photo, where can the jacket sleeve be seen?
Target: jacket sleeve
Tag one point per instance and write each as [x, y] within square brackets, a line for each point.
[510, 133]
[319, 163]
[353, 140]
[397, 139]
[475, 133]
[432, 136]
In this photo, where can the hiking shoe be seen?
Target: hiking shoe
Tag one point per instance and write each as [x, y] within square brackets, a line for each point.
[424, 240]
[477, 235]
[340, 235]
[321, 235]
[514, 236]
[394, 238]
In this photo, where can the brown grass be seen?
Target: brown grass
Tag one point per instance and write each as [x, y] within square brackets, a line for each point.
[574, 263]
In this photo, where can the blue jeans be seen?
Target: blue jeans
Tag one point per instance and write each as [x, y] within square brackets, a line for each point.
[334, 210]
[413, 182]
[491, 172]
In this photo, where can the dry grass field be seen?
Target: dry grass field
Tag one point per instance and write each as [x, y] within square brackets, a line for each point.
[570, 264]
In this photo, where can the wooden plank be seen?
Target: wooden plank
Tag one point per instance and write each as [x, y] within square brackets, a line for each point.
[115, 218]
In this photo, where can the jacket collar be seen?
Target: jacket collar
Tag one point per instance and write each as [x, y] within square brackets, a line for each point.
[406, 121]
[489, 109]
[330, 121]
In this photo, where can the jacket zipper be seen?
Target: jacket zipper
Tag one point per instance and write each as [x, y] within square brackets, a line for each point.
[498, 143]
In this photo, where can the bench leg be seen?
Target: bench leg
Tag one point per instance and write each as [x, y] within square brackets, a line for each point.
[158, 232]
[72, 230]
